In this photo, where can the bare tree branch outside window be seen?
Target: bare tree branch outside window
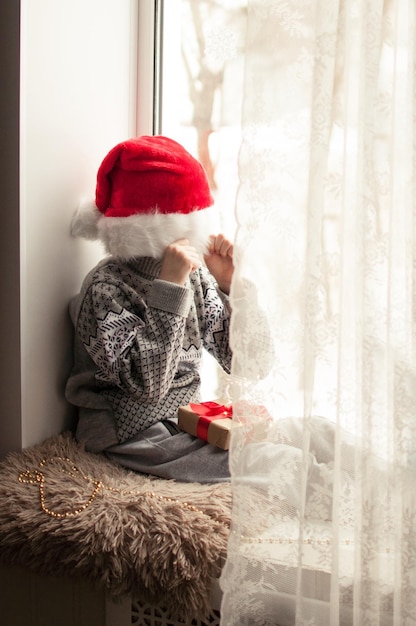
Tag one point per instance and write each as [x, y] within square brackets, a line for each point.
[211, 31]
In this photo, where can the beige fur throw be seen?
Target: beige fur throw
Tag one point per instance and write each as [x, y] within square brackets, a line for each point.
[66, 512]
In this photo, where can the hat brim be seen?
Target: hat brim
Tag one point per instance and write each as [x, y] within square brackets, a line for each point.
[149, 234]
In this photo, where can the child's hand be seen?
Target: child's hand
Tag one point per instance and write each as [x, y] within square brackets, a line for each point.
[179, 260]
[219, 261]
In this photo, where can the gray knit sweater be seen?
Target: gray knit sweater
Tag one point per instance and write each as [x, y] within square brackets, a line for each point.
[138, 347]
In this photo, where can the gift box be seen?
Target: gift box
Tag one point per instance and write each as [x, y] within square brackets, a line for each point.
[209, 421]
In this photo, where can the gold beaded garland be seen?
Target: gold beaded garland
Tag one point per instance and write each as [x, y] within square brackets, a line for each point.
[37, 477]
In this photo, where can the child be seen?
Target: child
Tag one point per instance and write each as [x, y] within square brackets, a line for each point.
[145, 312]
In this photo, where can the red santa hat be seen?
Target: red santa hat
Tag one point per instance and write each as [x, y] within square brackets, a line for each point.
[150, 191]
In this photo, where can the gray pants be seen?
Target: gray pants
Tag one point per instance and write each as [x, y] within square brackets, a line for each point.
[163, 450]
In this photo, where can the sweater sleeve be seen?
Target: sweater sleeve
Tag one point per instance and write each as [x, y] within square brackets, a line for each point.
[135, 344]
[214, 318]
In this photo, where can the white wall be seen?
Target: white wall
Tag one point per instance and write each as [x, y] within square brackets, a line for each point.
[78, 98]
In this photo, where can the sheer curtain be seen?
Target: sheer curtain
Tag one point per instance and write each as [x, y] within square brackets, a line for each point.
[323, 455]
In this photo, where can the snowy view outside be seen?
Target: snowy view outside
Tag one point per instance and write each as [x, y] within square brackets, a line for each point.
[202, 88]
[202, 81]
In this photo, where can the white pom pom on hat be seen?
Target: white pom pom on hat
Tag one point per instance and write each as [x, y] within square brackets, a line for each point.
[85, 220]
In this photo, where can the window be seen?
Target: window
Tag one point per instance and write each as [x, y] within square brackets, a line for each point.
[199, 104]
[202, 88]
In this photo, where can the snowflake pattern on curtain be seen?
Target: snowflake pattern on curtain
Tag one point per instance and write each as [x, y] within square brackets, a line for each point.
[323, 455]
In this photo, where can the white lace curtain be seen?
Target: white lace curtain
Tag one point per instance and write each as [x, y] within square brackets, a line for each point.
[323, 455]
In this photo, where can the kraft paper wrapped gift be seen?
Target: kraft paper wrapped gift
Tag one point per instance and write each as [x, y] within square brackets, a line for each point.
[209, 421]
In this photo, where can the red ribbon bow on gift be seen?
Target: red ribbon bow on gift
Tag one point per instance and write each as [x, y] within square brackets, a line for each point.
[207, 412]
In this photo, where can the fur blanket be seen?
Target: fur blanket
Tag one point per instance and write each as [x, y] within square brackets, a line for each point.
[66, 512]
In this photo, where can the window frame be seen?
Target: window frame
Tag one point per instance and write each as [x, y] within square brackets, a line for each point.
[149, 66]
